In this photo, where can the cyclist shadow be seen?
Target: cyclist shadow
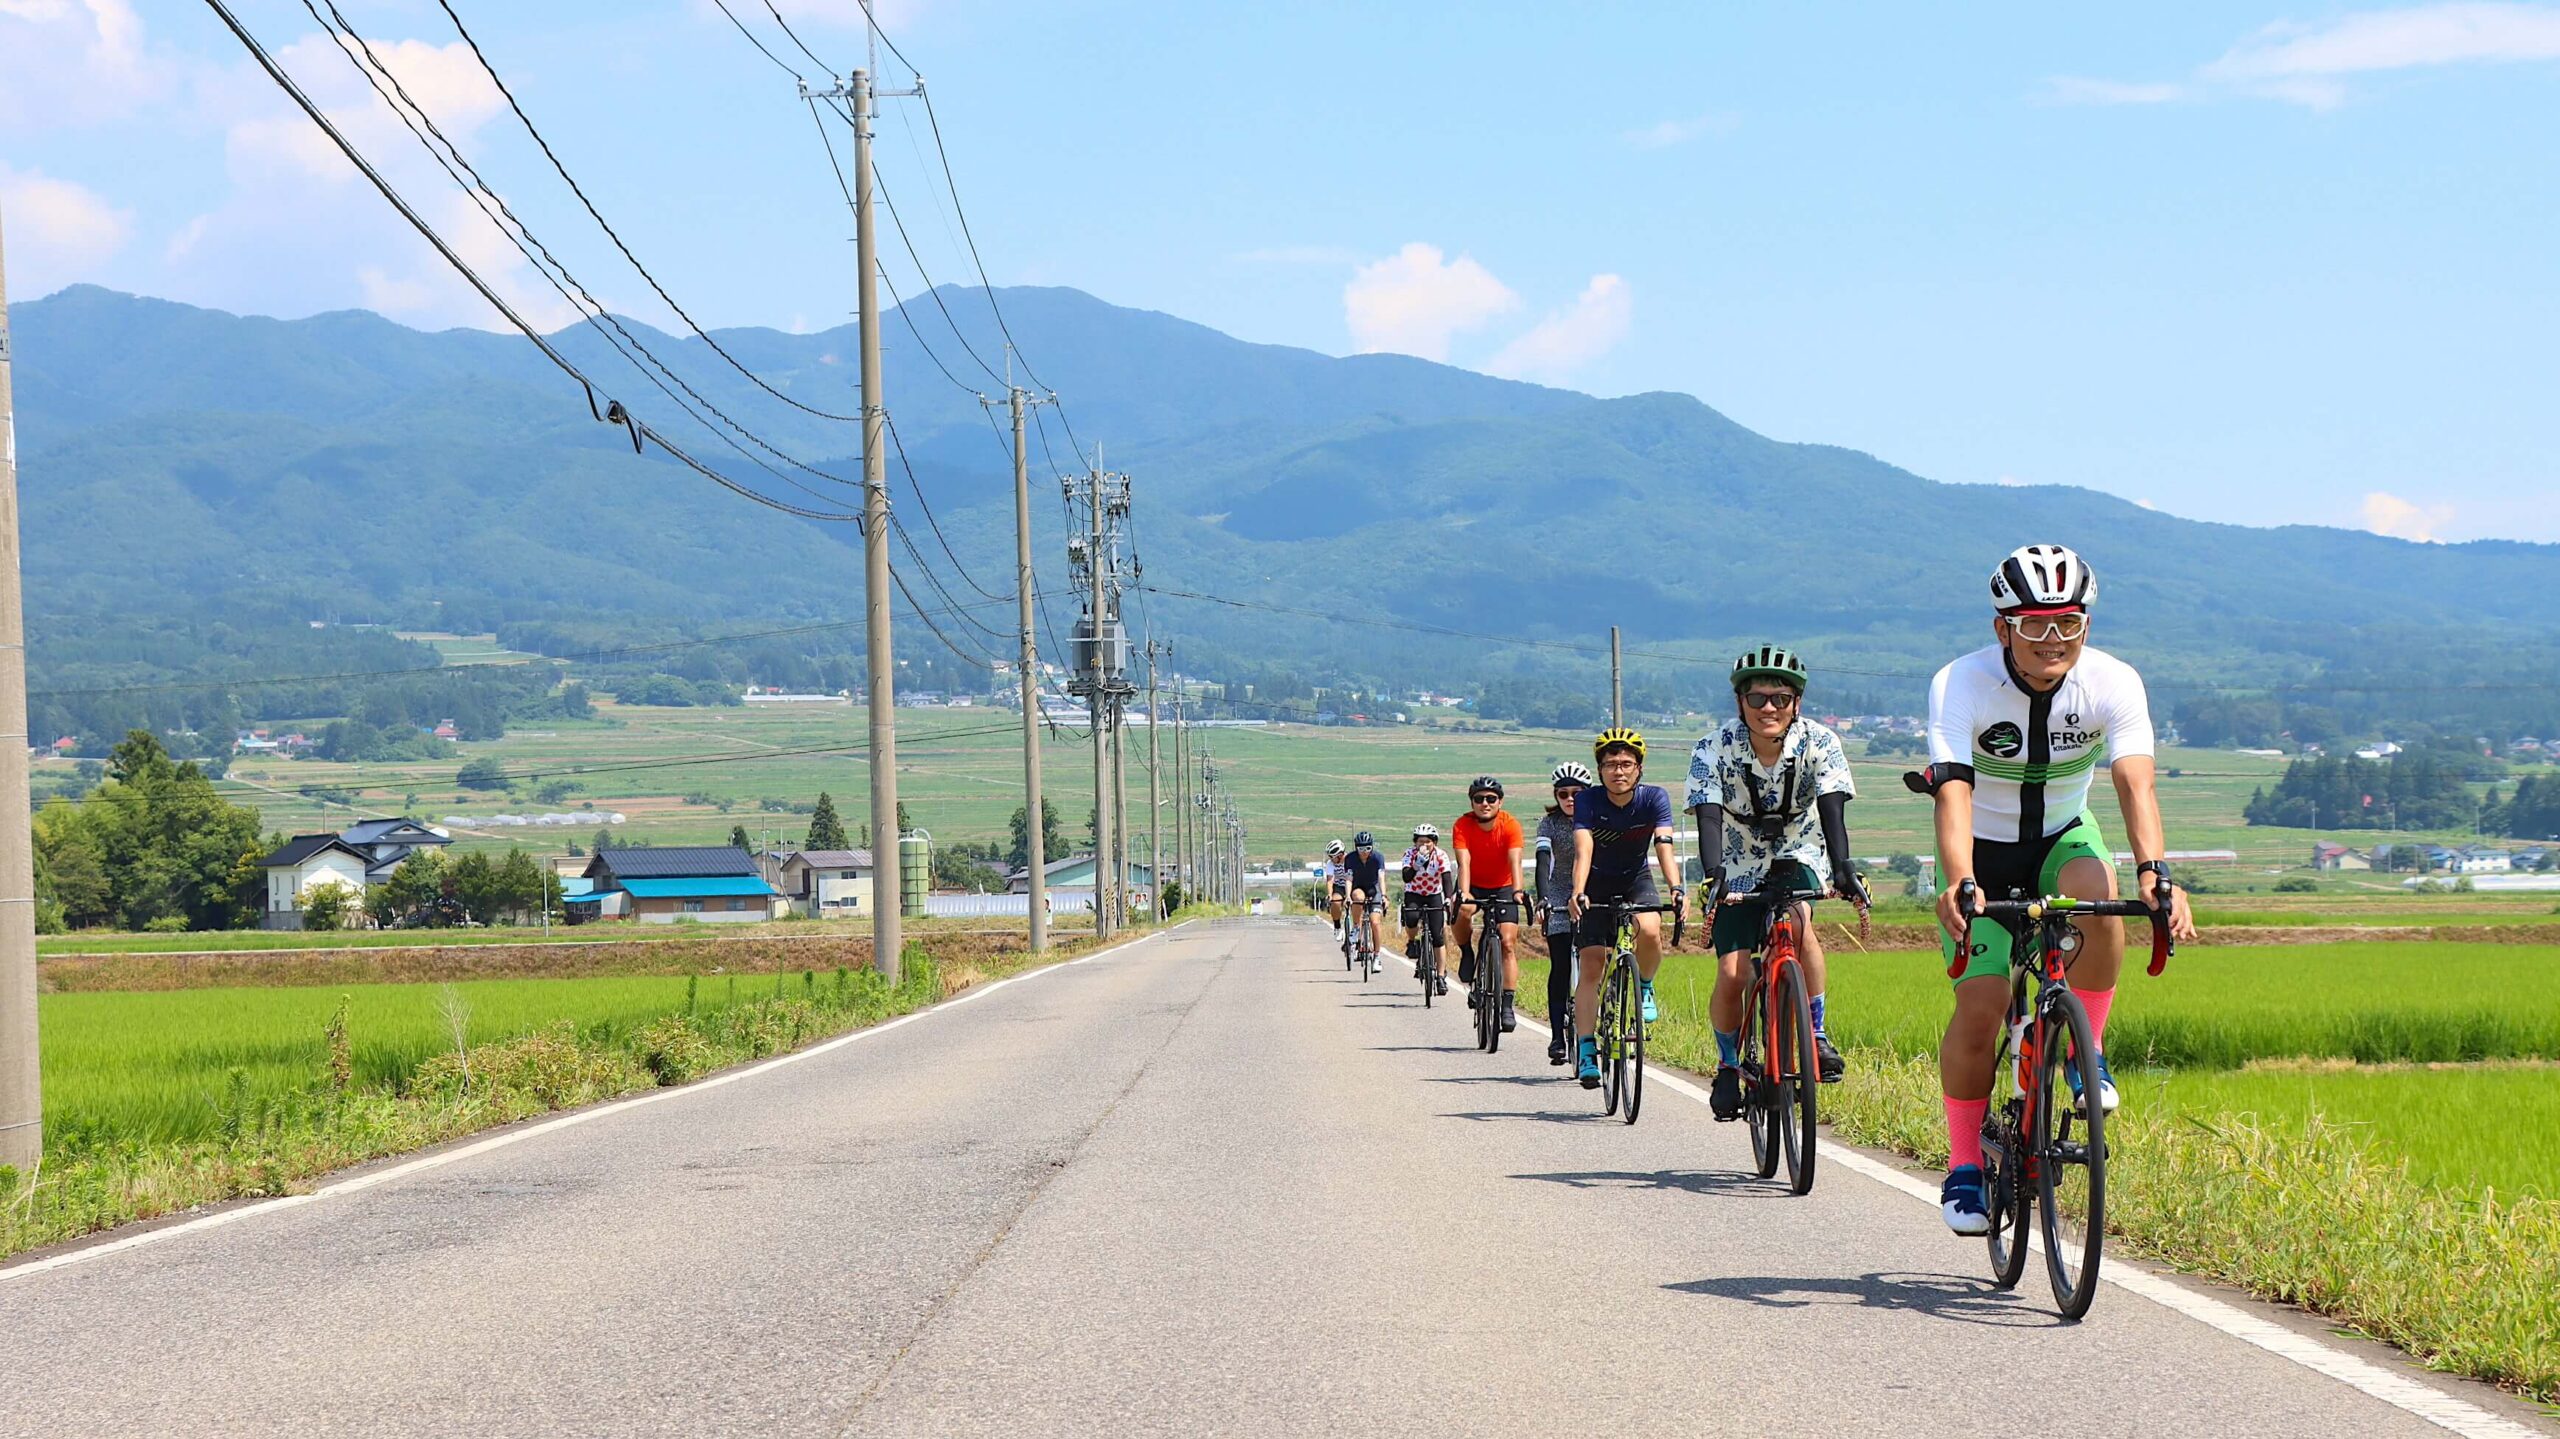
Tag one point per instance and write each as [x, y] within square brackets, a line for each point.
[1543, 1116]
[1682, 1181]
[1956, 1297]
[1520, 1079]
[1421, 1048]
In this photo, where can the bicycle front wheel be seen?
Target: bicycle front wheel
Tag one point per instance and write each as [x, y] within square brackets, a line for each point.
[1798, 1079]
[1633, 1017]
[1491, 974]
[2068, 1133]
[1604, 1029]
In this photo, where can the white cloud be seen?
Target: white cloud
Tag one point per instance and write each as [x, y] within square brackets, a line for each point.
[58, 231]
[74, 62]
[1416, 300]
[2309, 64]
[2388, 514]
[1571, 338]
[1668, 133]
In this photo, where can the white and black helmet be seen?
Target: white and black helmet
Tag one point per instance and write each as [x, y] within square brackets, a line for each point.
[1572, 773]
[1333, 847]
[1426, 831]
[2043, 577]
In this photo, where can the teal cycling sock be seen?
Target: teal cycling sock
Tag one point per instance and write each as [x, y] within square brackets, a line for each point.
[1817, 1016]
[1729, 1047]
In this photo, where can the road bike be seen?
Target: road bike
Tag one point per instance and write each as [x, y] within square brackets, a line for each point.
[2043, 1146]
[1420, 916]
[1780, 1071]
[1342, 931]
[1486, 992]
[1618, 1024]
[1365, 944]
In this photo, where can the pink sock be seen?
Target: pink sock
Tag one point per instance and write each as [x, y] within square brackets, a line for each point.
[1964, 1131]
[2097, 1002]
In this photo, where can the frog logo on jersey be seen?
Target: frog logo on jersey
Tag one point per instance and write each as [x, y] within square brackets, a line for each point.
[2003, 741]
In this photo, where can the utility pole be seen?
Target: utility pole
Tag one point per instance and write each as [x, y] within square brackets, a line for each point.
[1617, 686]
[1155, 804]
[1102, 677]
[1181, 789]
[21, 1075]
[1120, 809]
[880, 691]
[1035, 843]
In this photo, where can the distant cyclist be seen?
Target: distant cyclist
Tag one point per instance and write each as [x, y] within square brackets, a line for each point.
[1771, 792]
[1337, 882]
[1427, 878]
[1488, 841]
[1366, 870]
[1615, 827]
[1554, 865]
[2014, 734]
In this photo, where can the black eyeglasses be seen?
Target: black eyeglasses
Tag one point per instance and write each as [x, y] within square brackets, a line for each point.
[1764, 700]
[1485, 798]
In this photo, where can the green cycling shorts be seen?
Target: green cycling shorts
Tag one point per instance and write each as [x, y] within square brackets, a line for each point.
[2026, 870]
[1740, 922]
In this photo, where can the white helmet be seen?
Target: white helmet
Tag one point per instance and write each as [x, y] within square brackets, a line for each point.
[1333, 847]
[1571, 773]
[2043, 577]
[1426, 831]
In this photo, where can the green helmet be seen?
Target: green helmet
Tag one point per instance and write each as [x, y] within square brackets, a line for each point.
[1769, 663]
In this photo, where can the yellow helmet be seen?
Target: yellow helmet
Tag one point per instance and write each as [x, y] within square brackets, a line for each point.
[1615, 738]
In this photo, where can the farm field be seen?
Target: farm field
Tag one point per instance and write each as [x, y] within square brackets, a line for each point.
[249, 941]
[686, 775]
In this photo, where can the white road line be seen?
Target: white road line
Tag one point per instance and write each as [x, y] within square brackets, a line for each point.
[517, 1136]
[2366, 1377]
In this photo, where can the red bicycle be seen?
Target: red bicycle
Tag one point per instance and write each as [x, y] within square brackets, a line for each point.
[1780, 1073]
[2043, 1145]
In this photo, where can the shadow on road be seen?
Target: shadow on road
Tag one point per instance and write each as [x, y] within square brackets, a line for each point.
[1684, 1181]
[1495, 1078]
[1940, 1296]
[1548, 1116]
[1420, 1048]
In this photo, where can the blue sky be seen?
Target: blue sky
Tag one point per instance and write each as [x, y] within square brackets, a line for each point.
[2263, 264]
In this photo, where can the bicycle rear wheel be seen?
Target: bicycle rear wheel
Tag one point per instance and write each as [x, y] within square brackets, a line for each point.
[1633, 1017]
[1427, 967]
[2069, 1136]
[1794, 1065]
[2004, 1193]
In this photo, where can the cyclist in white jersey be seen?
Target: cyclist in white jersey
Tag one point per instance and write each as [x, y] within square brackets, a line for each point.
[2015, 731]
[1337, 881]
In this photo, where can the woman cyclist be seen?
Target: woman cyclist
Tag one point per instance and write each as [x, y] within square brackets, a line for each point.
[1426, 899]
[1555, 895]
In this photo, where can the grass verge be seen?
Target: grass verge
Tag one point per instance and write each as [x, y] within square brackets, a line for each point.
[351, 1104]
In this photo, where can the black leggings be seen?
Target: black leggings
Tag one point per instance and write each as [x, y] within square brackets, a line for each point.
[1559, 978]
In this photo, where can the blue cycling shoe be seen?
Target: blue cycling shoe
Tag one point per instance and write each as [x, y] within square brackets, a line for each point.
[1652, 1011]
[1589, 1071]
[1960, 1199]
[2107, 1099]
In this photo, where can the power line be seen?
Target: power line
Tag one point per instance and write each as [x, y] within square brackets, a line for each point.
[613, 411]
[759, 44]
[482, 196]
[917, 486]
[610, 233]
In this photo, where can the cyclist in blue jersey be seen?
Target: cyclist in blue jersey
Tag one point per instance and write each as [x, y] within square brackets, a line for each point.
[1616, 825]
[1366, 869]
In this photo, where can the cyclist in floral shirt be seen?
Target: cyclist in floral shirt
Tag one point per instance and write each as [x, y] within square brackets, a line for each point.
[1771, 790]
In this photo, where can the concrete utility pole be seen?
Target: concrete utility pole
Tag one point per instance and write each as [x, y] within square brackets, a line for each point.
[1120, 810]
[21, 1076]
[1155, 804]
[1617, 686]
[1102, 675]
[1181, 788]
[880, 689]
[1035, 843]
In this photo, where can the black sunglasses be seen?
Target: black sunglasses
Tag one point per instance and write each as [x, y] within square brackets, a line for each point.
[1766, 700]
[1484, 799]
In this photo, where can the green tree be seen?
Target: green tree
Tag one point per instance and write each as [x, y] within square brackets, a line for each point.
[481, 773]
[476, 886]
[574, 703]
[738, 836]
[519, 886]
[326, 905]
[825, 830]
[1052, 843]
[170, 845]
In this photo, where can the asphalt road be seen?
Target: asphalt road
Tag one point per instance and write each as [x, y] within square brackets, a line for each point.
[1207, 1184]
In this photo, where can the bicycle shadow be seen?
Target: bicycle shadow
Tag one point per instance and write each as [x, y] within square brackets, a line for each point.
[1544, 1116]
[1960, 1298]
[1677, 1181]
[1521, 1079]
[1420, 1048]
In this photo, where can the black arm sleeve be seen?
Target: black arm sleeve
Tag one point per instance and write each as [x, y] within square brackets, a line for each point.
[1710, 838]
[1543, 866]
[1835, 828]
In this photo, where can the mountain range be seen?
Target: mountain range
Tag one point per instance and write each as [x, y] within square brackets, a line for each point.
[351, 467]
